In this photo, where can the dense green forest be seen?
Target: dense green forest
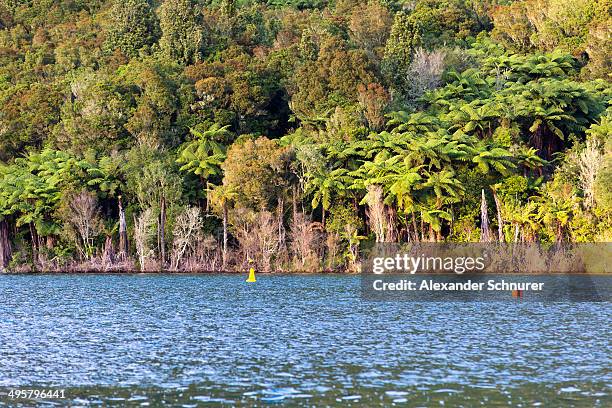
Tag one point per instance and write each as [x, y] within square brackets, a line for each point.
[291, 135]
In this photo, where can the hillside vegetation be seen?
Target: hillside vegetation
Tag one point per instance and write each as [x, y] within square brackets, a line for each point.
[290, 135]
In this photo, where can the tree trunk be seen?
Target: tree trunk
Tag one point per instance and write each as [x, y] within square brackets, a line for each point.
[34, 237]
[224, 236]
[391, 229]
[5, 245]
[294, 201]
[415, 228]
[559, 232]
[423, 230]
[50, 242]
[500, 221]
[516, 233]
[162, 231]
[537, 141]
[281, 235]
[485, 235]
[108, 258]
[207, 197]
[123, 237]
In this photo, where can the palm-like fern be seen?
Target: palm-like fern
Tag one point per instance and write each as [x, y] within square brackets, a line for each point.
[206, 152]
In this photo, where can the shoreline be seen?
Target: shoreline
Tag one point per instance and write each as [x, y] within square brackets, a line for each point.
[283, 273]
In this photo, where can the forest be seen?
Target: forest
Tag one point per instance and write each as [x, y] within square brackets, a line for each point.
[216, 135]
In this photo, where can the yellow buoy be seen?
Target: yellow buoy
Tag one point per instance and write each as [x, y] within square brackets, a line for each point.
[251, 276]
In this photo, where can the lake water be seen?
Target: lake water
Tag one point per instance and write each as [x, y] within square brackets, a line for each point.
[152, 340]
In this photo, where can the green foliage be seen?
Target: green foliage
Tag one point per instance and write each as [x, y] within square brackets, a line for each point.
[404, 38]
[182, 36]
[237, 89]
[545, 24]
[444, 22]
[602, 132]
[533, 95]
[133, 25]
[105, 175]
[152, 175]
[204, 155]
[95, 115]
[29, 114]
[324, 186]
[31, 189]
[331, 80]
[257, 170]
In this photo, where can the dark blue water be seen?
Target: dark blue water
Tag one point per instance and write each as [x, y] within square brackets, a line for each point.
[152, 340]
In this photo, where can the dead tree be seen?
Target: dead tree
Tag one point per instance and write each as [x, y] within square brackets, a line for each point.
[6, 253]
[500, 220]
[162, 231]
[144, 234]
[108, 257]
[123, 237]
[485, 235]
[187, 229]
[85, 220]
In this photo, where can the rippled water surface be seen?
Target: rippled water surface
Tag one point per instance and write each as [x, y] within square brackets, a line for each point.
[152, 340]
